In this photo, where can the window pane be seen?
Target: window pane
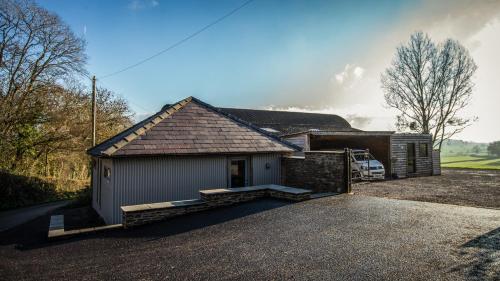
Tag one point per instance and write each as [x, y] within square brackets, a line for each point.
[424, 150]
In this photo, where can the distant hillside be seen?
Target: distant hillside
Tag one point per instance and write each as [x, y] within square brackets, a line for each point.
[462, 148]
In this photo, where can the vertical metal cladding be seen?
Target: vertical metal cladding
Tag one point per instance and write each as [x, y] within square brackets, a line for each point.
[266, 169]
[102, 189]
[142, 180]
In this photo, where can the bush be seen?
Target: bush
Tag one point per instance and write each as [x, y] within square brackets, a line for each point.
[18, 191]
[21, 191]
[82, 197]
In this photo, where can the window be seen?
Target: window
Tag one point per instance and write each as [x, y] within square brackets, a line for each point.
[362, 156]
[107, 172]
[424, 150]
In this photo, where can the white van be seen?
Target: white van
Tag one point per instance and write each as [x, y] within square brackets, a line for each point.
[365, 166]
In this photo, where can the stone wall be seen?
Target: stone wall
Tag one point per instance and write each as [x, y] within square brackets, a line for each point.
[146, 213]
[319, 171]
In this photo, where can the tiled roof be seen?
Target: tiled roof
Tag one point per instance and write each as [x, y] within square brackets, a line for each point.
[286, 122]
[190, 127]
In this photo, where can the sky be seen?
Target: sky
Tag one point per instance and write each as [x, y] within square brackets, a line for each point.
[314, 56]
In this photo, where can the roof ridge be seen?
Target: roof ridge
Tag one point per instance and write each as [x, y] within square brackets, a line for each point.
[279, 110]
[153, 121]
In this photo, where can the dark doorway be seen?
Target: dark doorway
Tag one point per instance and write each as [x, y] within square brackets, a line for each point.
[410, 158]
[238, 172]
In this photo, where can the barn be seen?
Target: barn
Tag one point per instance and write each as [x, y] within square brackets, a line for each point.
[403, 155]
[171, 155]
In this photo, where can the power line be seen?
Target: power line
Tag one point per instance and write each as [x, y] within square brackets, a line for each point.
[128, 100]
[180, 42]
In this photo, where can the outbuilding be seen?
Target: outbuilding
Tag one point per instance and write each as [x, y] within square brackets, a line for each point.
[403, 155]
[185, 147]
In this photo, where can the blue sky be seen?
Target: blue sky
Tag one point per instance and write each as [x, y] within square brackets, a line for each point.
[323, 56]
[243, 61]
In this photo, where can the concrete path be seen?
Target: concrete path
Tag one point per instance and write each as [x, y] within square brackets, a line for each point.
[12, 218]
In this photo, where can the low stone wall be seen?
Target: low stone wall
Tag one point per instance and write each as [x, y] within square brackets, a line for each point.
[226, 197]
[146, 213]
[319, 171]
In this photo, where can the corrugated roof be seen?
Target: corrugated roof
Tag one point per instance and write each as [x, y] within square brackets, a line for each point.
[286, 122]
[191, 127]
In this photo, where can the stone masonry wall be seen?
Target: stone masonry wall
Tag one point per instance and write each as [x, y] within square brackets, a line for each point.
[143, 215]
[319, 171]
[146, 213]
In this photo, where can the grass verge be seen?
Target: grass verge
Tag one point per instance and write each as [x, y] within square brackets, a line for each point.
[471, 162]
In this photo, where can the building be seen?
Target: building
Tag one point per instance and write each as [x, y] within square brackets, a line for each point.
[173, 154]
[190, 145]
[403, 155]
[282, 123]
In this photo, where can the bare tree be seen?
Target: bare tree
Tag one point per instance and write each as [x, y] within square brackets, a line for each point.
[429, 85]
[37, 51]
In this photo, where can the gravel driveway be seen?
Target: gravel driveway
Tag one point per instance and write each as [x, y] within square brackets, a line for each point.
[343, 237]
[465, 187]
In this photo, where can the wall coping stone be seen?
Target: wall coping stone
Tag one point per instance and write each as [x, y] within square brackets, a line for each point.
[161, 205]
[267, 187]
[295, 157]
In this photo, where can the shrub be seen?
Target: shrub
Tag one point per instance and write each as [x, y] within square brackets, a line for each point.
[82, 197]
[18, 191]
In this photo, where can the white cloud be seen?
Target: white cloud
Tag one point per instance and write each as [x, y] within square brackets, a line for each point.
[84, 30]
[350, 75]
[136, 5]
[358, 71]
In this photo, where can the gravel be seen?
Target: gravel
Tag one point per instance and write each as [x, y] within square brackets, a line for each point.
[344, 237]
[465, 187]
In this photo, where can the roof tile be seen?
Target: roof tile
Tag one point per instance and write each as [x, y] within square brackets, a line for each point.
[193, 127]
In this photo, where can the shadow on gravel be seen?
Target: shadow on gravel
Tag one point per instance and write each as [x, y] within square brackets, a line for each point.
[199, 220]
[483, 256]
[33, 235]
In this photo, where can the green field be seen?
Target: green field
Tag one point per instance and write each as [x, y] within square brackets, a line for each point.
[471, 162]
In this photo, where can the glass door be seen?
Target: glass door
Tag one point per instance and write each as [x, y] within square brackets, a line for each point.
[238, 172]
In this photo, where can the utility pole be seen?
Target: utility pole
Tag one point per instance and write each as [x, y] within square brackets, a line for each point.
[94, 110]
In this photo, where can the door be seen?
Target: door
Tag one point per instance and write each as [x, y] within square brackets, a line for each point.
[238, 172]
[410, 158]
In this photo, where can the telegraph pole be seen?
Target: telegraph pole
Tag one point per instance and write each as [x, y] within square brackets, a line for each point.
[94, 111]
